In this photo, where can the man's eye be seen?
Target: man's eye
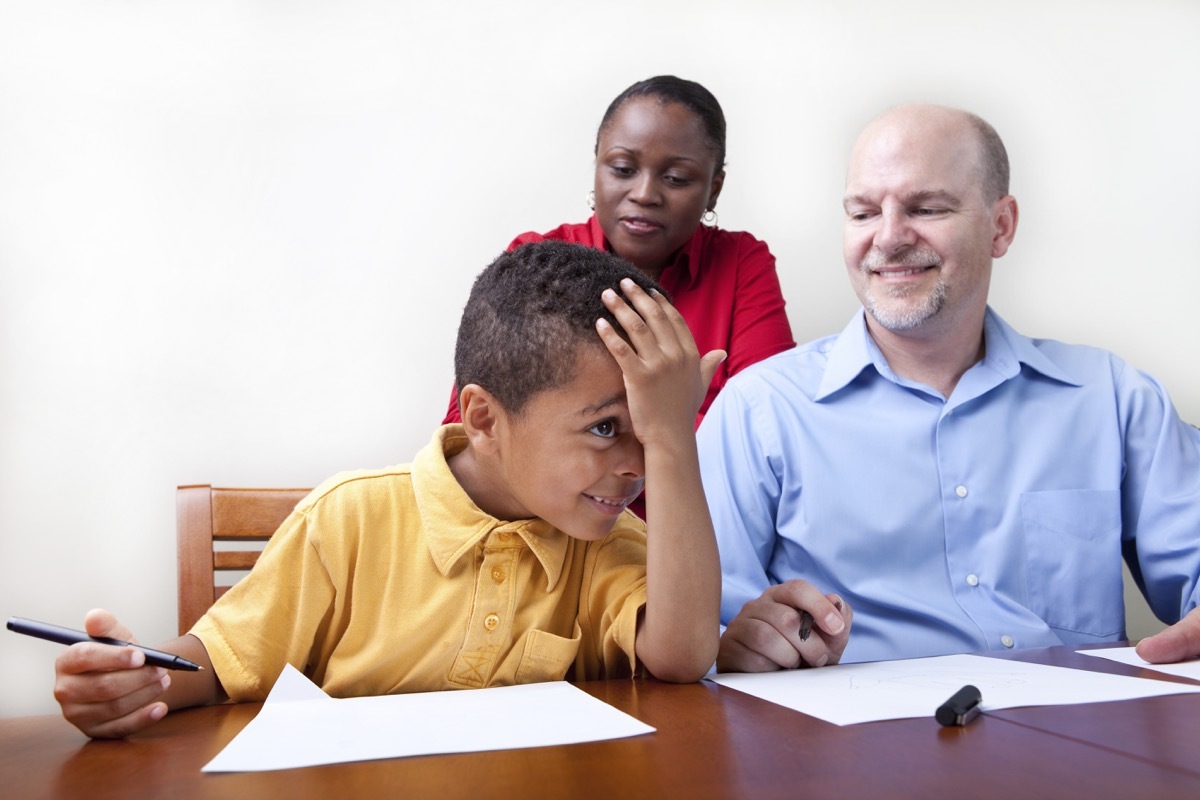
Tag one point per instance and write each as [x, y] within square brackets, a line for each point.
[605, 430]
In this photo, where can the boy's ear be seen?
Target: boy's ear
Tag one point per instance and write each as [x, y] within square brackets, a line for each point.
[482, 416]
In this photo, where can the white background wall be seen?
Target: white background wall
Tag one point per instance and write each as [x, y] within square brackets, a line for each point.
[235, 237]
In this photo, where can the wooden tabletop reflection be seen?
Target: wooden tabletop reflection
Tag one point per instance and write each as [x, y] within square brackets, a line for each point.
[710, 742]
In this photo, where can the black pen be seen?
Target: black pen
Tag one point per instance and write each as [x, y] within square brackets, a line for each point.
[56, 633]
[806, 623]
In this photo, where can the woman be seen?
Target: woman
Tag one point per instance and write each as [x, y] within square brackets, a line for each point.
[660, 166]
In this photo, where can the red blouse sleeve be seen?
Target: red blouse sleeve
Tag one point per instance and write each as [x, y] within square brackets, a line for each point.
[525, 238]
[760, 325]
[452, 412]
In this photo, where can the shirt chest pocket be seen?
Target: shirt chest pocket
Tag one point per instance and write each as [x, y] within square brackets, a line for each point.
[1073, 550]
[547, 657]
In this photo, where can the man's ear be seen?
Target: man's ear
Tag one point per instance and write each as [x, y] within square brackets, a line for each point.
[1004, 217]
[482, 416]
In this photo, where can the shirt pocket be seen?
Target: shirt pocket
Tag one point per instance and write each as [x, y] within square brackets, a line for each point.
[1073, 547]
[547, 657]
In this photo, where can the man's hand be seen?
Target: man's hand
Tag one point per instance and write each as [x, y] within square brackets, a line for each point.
[1180, 642]
[766, 634]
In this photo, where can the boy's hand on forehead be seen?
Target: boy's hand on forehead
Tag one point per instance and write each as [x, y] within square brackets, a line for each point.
[665, 377]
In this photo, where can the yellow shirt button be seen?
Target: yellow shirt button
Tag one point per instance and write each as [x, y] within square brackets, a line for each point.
[497, 575]
[491, 622]
[505, 536]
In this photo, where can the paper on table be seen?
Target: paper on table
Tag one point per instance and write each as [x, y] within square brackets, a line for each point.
[1128, 655]
[299, 725]
[846, 694]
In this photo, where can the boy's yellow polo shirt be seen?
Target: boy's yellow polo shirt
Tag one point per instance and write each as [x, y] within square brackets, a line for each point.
[394, 581]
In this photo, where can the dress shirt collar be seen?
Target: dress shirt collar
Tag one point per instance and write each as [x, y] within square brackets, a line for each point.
[1006, 344]
[454, 525]
[684, 270]
[1005, 351]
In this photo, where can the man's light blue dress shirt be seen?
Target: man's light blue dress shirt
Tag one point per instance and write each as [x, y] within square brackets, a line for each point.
[995, 518]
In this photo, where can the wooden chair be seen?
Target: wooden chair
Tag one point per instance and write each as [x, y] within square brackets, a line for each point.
[204, 516]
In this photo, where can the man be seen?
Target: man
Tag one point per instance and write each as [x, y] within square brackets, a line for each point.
[962, 487]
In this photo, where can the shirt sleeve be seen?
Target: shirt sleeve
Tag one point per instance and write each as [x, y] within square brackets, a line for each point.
[743, 491]
[524, 238]
[452, 412]
[272, 617]
[760, 323]
[1160, 496]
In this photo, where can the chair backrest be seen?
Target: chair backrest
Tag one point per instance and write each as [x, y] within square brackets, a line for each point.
[205, 516]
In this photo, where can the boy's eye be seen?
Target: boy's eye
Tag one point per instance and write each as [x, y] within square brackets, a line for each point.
[605, 429]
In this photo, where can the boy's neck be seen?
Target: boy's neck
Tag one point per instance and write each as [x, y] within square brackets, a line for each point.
[477, 480]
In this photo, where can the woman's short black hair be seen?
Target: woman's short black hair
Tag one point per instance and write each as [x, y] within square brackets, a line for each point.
[528, 314]
[669, 89]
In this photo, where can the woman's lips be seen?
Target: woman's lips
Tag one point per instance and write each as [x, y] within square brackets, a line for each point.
[640, 226]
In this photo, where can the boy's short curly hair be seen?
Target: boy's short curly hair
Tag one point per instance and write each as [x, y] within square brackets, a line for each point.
[528, 313]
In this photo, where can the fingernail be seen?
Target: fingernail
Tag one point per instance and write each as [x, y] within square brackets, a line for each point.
[608, 294]
[834, 623]
[822, 661]
[627, 283]
[158, 712]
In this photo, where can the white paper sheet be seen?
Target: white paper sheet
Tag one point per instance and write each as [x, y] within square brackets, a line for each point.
[299, 725]
[846, 694]
[1128, 655]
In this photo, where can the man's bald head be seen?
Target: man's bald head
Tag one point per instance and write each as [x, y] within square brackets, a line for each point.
[991, 158]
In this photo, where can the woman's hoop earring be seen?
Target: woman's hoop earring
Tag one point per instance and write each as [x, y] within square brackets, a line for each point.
[709, 218]
[591, 199]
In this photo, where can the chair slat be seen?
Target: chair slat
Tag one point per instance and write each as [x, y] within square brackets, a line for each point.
[205, 515]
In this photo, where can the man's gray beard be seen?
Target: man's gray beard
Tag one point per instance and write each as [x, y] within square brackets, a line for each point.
[914, 317]
[908, 318]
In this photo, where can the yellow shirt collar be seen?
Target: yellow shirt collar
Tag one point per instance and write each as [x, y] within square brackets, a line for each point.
[454, 525]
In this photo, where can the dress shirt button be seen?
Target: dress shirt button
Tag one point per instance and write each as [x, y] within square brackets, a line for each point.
[497, 575]
[961, 491]
[972, 580]
[1007, 641]
[491, 622]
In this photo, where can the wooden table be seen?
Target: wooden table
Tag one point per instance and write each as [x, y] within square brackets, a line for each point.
[710, 742]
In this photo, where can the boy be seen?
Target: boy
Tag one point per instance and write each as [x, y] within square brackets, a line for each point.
[503, 553]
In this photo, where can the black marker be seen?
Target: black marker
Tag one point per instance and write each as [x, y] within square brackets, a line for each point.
[55, 633]
[806, 623]
[961, 708]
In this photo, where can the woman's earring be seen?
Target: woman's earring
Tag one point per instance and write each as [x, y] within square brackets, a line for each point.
[709, 218]
[591, 199]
